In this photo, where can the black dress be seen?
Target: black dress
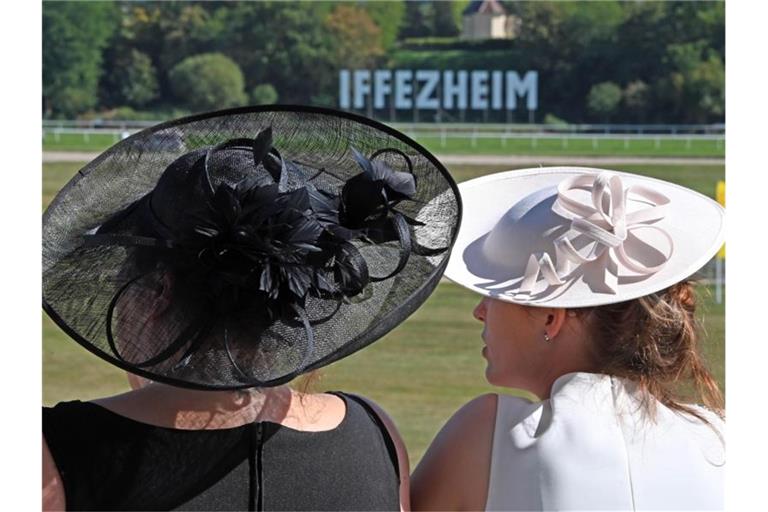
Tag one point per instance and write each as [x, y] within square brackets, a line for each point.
[110, 462]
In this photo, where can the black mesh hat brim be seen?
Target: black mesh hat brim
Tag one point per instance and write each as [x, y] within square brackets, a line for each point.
[141, 316]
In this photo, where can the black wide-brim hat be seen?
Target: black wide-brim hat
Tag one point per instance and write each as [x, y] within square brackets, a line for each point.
[245, 247]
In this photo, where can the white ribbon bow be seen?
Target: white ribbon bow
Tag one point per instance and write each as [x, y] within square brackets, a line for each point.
[606, 222]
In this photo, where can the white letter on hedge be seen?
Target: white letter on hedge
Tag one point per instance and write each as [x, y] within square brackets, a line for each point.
[527, 87]
[362, 86]
[425, 98]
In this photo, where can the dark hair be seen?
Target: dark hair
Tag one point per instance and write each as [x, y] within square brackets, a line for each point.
[655, 341]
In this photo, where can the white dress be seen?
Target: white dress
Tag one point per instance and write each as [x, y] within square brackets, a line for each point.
[590, 447]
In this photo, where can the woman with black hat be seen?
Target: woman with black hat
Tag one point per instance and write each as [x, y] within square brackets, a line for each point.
[586, 304]
[220, 257]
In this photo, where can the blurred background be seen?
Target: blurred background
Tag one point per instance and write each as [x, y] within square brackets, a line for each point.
[485, 85]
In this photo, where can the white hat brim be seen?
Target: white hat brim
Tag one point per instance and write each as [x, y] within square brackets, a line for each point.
[695, 223]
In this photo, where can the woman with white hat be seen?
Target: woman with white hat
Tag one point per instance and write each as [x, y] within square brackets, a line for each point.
[586, 303]
[221, 256]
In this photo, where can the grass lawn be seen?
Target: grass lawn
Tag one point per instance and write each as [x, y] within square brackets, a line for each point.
[78, 142]
[465, 146]
[582, 147]
[420, 373]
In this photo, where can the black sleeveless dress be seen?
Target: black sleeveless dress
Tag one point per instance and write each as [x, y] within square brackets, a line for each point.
[110, 462]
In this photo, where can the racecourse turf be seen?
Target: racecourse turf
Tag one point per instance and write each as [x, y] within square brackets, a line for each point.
[616, 146]
[421, 372]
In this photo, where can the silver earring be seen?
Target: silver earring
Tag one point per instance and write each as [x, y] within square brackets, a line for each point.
[546, 337]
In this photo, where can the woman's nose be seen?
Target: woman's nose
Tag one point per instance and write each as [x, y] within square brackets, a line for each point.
[479, 312]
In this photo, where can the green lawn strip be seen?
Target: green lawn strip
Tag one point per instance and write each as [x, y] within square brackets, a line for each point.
[78, 142]
[495, 146]
[55, 176]
[576, 147]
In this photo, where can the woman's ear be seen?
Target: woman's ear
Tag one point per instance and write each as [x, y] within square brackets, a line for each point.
[554, 320]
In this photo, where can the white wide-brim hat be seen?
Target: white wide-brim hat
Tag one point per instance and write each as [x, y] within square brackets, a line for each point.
[571, 237]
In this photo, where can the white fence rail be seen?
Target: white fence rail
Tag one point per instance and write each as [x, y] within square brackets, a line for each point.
[55, 133]
[639, 129]
[564, 138]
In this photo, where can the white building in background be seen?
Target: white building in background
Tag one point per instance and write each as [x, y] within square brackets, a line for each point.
[488, 19]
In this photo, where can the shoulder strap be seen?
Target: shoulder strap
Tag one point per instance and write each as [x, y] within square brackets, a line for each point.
[388, 442]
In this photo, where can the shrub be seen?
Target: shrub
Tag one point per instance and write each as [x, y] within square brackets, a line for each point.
[604, 99]
[263, 94]
[208, 81]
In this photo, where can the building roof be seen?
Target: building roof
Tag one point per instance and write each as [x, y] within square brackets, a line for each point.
[484, 7]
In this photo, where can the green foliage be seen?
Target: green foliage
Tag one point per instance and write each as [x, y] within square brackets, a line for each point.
[388, 16]
[74, 36]
[124, 113]
[443, 20]
[604, 99]
[636, 97]
[263, 94]
[696, 81]
[169, 31]
[208, 81]
[553, 120]
[357, 39]
[416, 22]
[283, 43]
[134, 79]
[458, 6]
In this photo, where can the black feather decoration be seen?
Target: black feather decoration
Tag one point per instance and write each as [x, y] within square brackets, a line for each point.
[260, 247]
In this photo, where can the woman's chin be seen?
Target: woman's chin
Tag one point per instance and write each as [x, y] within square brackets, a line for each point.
[491, 376]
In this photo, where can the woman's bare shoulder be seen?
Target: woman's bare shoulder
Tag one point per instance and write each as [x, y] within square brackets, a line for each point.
[476, 412]
[53, 488]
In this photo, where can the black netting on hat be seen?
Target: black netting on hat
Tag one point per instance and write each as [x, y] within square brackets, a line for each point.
[244, 247]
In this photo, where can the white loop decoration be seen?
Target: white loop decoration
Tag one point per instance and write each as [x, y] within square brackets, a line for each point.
[606, 222]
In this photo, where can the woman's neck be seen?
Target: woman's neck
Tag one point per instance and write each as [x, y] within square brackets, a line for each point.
[164, 405]
[188, 409]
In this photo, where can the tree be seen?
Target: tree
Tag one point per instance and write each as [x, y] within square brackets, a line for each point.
[74, 36]
[603, 99]
[168, 31]
[357, 39]
[208, 81]
[295, 52]
[458, 7]
[416, 22]
[693, 91]
[133, 79]
[388, 16]
[263, 94]
[443, 20]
